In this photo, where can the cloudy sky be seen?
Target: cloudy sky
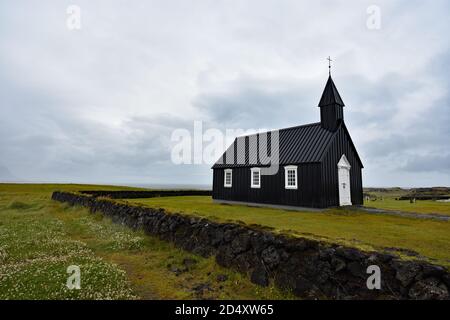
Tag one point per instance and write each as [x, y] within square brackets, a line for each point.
[99, 104]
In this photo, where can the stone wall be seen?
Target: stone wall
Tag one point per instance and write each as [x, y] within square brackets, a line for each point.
[131, 194]
[310, 269]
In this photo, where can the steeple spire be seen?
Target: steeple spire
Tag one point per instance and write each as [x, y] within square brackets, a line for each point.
[330, 95]
[331, 106]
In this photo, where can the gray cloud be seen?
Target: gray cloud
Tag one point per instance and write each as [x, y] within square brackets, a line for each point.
[260, 104]
[430, 162]
[100, 104]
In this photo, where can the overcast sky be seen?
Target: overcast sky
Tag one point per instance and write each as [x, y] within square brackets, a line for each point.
[100, 104]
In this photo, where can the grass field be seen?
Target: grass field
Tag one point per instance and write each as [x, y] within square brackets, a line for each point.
[429, 238]
[385, 199]
[420, 206]
[40, 238]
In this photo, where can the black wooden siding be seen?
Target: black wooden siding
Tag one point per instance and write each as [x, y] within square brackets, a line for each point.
[317, 181]
[329, 116]
[340, 145]
[272, 189]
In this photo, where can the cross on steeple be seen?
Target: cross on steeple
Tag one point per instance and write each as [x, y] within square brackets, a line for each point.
[329, 65]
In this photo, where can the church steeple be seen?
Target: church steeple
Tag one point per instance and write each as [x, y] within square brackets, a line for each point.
[331, 106]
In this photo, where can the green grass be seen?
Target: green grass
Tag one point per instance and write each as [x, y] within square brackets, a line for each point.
[429, 238]
[35, 251]
[48, 188]
[421, 206]
[40, 238]
[385, 199]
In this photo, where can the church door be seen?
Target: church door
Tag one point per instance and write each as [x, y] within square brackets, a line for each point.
[344, 182]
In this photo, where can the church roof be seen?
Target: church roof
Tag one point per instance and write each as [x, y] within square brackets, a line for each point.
[330, 95]
[301, 144]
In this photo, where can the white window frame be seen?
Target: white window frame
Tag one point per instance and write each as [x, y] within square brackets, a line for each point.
[252, 170]
[229, 185]
[286, 170]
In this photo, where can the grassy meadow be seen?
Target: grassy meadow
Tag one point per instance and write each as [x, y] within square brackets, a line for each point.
[420, 206]
[386, 199]
[40, 238]
[428, 238]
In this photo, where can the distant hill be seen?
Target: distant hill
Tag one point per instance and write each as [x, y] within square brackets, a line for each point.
[431, 193]
[393, 192]
[389, 190]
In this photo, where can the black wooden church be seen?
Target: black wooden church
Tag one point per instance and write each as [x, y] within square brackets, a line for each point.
[318, 164]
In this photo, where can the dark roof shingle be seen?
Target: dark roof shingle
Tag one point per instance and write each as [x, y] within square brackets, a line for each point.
[301, 144]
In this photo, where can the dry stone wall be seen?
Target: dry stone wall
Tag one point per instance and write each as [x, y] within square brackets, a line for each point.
[310, 269]
[131, 194]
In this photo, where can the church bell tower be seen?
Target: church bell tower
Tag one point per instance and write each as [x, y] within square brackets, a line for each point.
[331, 106]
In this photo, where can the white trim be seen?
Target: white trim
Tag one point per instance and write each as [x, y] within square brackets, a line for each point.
[286, 170]
[343, 162]
[225, 184]
[252, 170]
